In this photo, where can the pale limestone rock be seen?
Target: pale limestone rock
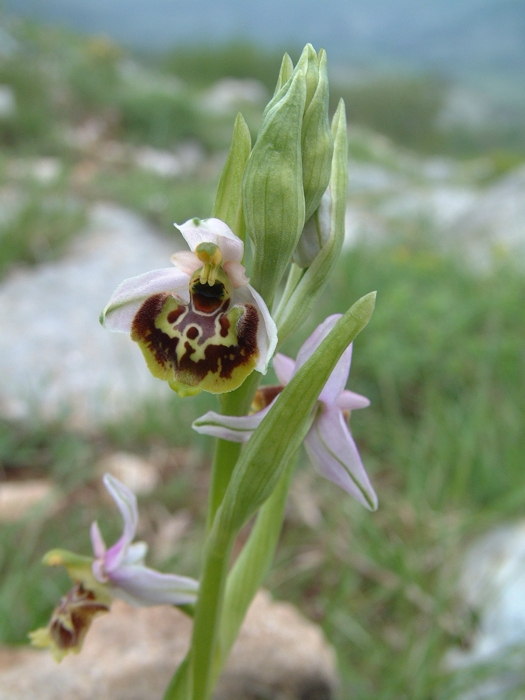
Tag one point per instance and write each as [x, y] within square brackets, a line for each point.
[57, 361]
[131, 653]
[136, 473]
[19, 498]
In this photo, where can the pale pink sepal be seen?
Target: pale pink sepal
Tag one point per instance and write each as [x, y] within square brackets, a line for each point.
[121, 567]
[284, 368]
[129, 296]
[232, 428]
[334, 454]
[197, 231]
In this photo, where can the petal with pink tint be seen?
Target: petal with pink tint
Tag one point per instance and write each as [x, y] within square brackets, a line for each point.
[232, 428]
[334, 454]
[197, 231]
[350, 401]
[284, 368]
[186, 262]
[129, 296]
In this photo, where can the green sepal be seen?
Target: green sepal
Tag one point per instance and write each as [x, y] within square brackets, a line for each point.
[284, 73]
[304, 287]
[273, 198]
[79, 569]
[228, 201]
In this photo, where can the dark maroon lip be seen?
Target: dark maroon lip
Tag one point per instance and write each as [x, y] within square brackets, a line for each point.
[207, 299]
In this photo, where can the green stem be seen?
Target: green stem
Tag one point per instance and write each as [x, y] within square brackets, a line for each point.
[235, 403]
[208, 614]
[252, 565]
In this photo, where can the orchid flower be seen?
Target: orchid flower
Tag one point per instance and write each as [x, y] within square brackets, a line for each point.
[200, 325]
[329, 443]
[117, 572]
[121, 568]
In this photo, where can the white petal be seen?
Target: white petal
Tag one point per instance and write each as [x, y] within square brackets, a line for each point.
[232, 428]
[129, 296]
[135, 553]
[236, 272]
[284, 368]
[349, 401]
[266, 331]
[186, 261]
[197, 231]
[334, 454]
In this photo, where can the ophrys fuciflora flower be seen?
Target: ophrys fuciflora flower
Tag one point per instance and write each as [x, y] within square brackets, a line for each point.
[200, 325]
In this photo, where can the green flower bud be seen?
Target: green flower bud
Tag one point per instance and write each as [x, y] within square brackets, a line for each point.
[321, 241]
[273, 197]
[316, 138]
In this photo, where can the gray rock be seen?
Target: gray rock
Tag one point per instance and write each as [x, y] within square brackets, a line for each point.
[19, 499]
[130, 654]
[492, 584]
[56, 360]
[494, 227]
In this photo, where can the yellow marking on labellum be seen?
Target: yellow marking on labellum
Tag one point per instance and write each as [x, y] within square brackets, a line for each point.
[204, 345]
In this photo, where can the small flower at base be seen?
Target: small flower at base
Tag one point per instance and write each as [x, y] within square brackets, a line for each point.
[117, 572]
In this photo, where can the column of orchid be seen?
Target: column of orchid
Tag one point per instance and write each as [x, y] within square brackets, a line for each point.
[202, 324]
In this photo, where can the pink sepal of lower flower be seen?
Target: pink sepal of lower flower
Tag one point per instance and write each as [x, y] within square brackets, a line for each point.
[329, 443]
[121, 568]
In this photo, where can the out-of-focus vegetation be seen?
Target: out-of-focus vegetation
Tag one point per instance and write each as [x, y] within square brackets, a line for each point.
[205, 64]
[442, 359]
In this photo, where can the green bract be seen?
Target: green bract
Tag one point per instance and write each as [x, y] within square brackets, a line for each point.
[316, 139]
[228, 202]
[273, 197]
[282, 430]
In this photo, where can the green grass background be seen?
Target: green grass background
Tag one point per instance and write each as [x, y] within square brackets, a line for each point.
[442, 361]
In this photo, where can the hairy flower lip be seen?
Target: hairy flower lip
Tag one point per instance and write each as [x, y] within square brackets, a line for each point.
[329, 442]
[216, 242]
